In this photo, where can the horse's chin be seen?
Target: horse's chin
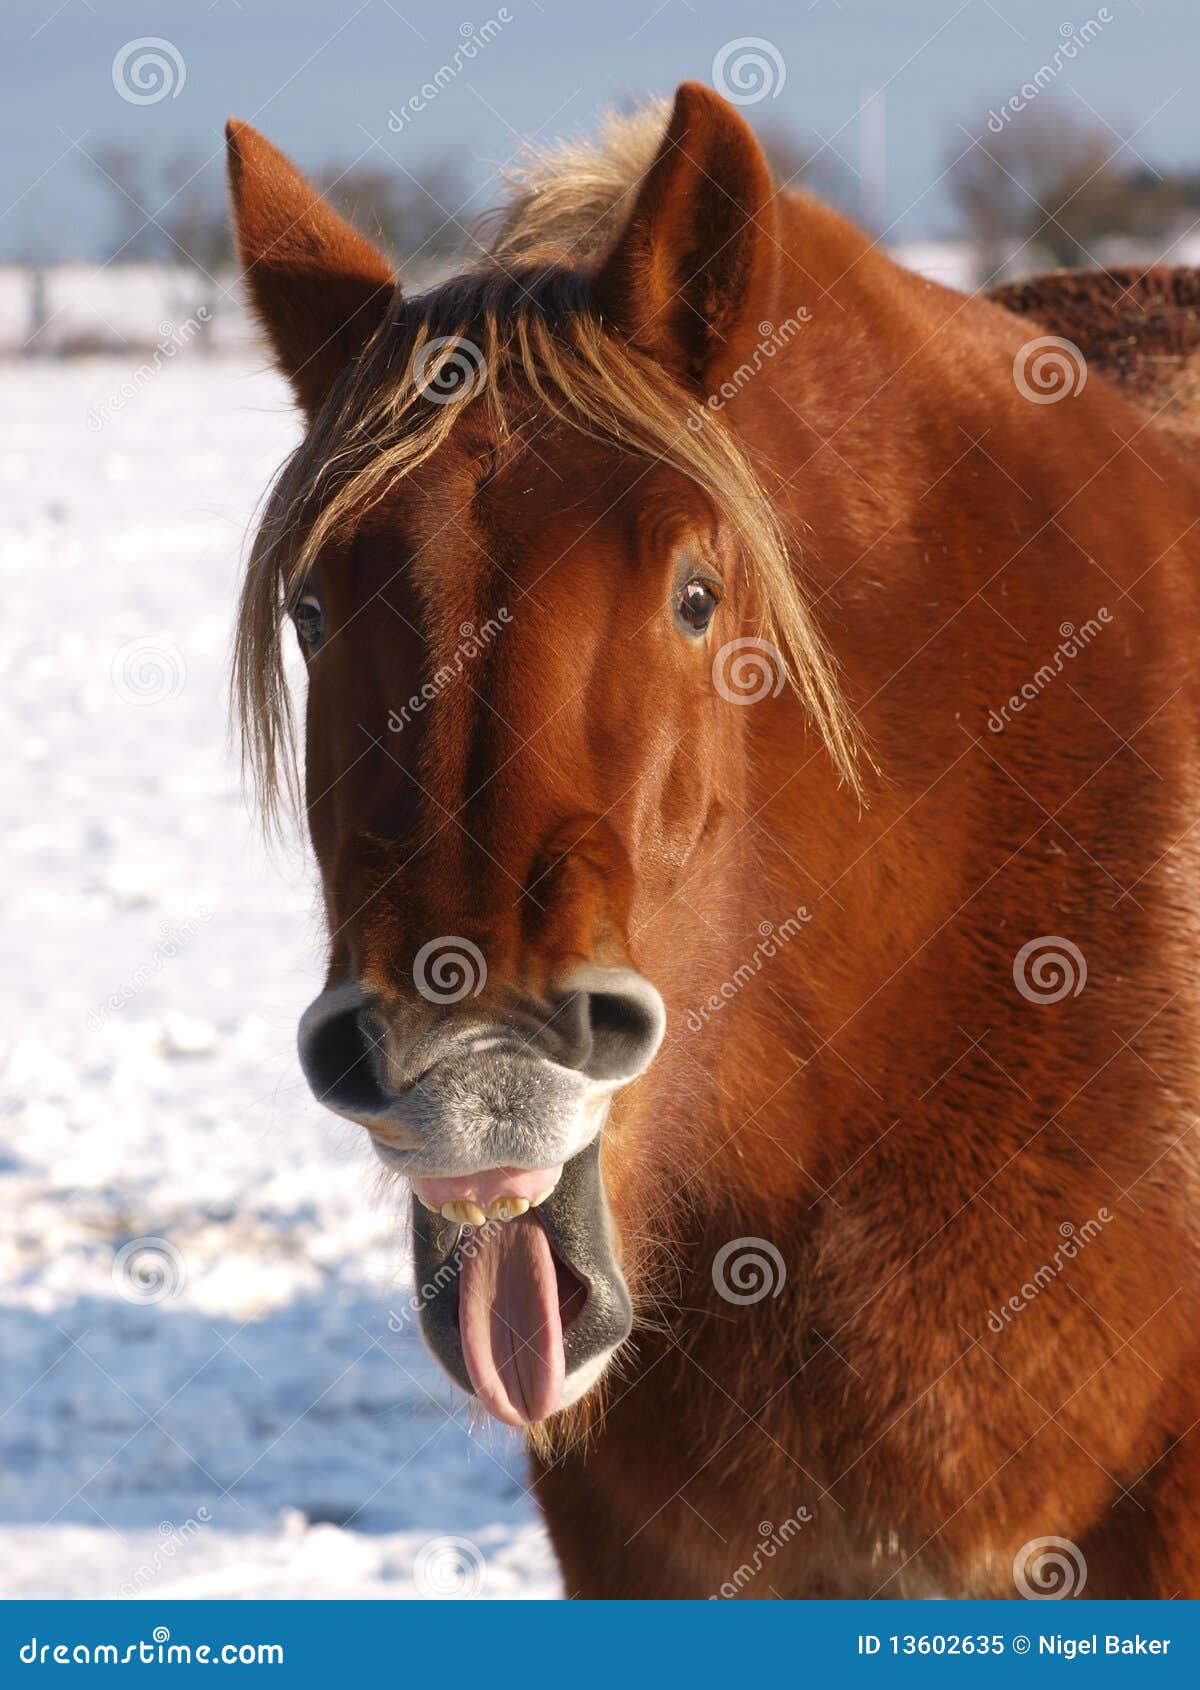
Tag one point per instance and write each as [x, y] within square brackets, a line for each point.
[525, 1314]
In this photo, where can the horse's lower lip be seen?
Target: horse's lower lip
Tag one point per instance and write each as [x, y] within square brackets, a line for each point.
[575, 1221]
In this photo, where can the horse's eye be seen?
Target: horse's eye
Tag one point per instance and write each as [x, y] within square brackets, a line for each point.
[310, 621]
[696, 605]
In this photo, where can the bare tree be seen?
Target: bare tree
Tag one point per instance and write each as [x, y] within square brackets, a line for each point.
[418, 215]
[122, 173]
[171, 211]
[799, 161]
[193, 214]
[1042, 185]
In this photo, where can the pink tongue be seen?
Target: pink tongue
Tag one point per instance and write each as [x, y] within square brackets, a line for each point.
[509, 1320]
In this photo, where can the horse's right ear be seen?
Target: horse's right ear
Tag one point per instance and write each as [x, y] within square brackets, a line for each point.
[695, 267]
[318, 288]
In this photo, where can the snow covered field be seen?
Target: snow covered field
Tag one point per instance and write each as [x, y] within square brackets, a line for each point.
[209, 1385]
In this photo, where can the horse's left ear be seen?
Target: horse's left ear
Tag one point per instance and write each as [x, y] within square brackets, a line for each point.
[318, 288]
[696, 262]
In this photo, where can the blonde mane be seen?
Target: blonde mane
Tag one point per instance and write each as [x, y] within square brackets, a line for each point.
[515, 323]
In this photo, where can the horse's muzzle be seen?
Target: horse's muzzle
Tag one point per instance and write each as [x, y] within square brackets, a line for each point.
[519, 1291]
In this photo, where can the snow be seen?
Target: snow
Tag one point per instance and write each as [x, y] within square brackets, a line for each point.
[210, 1383]
[48, 309]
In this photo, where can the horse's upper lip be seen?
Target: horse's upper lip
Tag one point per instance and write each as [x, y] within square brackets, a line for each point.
[494, 1194]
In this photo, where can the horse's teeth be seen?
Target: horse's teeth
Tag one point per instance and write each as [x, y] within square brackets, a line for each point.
[507, 1208]
[549, 1192]
[463, 1214]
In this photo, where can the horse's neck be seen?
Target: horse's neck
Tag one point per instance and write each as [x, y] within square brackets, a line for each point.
[913, 474]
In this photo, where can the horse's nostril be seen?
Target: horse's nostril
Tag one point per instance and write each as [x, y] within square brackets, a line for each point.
[624, 1019]
[338, 1044]
[624, 1035]
[607, 1024]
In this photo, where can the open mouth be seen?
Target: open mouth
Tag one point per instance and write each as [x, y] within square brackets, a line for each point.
[521, 1297]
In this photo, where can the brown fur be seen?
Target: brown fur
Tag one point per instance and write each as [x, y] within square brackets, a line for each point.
[878, 1100]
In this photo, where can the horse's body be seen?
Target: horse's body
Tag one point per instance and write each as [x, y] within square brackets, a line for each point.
[982, 1191]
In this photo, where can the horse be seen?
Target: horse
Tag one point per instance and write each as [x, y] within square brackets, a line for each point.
[750, 755]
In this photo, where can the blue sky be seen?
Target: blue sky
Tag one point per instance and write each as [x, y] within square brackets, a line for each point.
[321, 79]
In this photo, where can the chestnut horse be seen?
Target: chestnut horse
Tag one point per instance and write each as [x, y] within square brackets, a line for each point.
[751, 758]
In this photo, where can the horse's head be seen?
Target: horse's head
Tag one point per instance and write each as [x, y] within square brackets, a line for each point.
[513, 544]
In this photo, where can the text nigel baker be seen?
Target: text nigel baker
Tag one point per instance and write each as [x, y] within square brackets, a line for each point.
[996, 1643]
[1108, 1644]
